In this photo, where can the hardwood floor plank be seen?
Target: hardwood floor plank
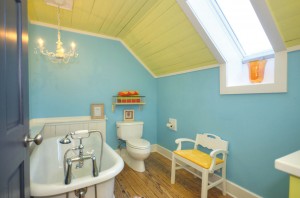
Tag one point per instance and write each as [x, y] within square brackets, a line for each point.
[155, 182]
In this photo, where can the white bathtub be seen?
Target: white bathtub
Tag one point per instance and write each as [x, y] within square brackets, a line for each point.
[47, 174]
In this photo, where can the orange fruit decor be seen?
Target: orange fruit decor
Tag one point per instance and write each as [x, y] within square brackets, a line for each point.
[123, 93]
[133, 93]
[128, 93]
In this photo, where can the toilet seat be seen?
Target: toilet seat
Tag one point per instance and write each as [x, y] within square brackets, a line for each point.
[138, 143]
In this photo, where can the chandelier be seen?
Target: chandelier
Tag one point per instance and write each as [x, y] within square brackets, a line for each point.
[59, 56]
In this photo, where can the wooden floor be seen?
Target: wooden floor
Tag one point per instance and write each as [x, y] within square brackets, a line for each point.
[155, 182]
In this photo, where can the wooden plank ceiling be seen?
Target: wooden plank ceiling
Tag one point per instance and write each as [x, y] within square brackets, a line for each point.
[287, 17]
[157, 31]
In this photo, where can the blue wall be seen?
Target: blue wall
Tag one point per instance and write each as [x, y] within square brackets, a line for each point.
[259, 127]
[103, 68]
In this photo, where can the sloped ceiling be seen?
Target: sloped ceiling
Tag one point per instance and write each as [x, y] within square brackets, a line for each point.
[287, 17]
[157, 31]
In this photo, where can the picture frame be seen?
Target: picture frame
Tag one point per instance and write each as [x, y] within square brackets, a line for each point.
[97, 111]
[128, 115]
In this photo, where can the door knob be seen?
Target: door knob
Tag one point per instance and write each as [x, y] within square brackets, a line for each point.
[37, 139]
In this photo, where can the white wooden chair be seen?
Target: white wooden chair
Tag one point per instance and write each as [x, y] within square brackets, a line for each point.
[202, 162]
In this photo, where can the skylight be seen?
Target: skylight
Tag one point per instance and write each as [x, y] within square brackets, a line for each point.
[244, 26]
[238, 32]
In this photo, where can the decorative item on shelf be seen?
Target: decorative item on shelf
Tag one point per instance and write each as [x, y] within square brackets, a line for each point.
[128, 93]
[257, 70]
[97, 111]
[128, 98]
[129, 115]
[59, 55]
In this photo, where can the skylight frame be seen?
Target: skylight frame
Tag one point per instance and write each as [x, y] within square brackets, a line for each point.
[246, 58]
[228, 27]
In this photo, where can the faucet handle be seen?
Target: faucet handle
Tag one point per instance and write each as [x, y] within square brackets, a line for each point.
[80, 134]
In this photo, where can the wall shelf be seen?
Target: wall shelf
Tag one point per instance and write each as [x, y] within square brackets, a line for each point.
[128, 100]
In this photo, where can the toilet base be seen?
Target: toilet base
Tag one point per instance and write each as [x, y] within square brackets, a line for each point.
[137, 165]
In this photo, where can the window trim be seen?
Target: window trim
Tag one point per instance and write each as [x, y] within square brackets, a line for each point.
[279, 85]
[259, 56]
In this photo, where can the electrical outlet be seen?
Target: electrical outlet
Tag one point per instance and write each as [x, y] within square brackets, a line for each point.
[174, 124]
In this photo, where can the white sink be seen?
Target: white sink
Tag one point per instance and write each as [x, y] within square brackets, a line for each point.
[289, 164]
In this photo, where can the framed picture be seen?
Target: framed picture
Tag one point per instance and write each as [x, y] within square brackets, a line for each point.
[129, 115]
[97, 111]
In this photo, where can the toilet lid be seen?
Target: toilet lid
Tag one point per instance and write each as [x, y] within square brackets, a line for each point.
[138, 143]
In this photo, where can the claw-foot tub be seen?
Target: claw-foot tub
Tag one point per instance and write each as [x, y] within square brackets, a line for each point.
[47, 170]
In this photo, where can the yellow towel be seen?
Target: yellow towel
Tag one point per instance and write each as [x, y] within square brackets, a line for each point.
[202, 159]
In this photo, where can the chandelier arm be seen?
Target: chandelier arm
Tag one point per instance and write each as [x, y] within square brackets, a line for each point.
[46, 52]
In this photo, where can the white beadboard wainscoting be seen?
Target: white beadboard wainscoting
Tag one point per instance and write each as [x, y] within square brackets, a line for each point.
[61, 126]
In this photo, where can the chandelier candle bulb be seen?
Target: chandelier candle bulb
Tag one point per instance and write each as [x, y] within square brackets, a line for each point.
[73, 45]
[40, 42]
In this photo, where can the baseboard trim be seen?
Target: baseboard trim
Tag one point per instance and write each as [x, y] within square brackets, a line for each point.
[233, 189]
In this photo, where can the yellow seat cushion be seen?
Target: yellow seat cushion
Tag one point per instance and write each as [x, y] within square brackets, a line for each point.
[200, 158]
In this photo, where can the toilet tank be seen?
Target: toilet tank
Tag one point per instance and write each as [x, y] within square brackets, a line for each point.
[129, 130]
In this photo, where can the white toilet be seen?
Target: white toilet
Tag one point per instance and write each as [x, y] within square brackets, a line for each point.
[137, 149]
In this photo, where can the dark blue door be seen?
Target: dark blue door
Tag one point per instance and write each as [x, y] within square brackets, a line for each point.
[14, 157]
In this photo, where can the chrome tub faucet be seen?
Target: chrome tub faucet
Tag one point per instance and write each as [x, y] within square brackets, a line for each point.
[81, 157]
